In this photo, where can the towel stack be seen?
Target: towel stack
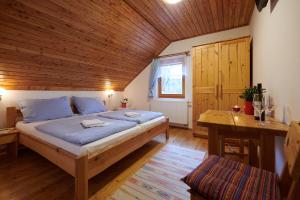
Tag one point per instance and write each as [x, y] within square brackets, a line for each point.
[132, 114]
[90, 123]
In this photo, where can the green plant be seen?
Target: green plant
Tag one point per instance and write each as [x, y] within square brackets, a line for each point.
[248, 93]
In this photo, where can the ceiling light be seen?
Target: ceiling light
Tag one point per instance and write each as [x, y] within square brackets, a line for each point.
[172, 1]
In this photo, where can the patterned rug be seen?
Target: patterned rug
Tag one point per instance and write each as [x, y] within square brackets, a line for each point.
[160, 177]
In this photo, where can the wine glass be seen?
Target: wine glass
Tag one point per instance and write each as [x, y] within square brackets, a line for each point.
[259, 104]
[270, 108]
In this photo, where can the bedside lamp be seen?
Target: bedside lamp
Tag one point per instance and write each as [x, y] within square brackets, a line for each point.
[109, 93]
[2, 92]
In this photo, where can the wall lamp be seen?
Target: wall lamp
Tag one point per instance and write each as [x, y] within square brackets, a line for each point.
[2, 92]
[109, 93]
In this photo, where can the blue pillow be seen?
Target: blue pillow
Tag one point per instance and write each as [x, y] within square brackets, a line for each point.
[86, 105]
[45, 109]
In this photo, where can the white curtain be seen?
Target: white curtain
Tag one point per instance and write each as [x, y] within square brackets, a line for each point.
[154, 71]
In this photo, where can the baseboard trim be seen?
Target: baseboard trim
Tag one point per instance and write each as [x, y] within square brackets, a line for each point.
[183, 126]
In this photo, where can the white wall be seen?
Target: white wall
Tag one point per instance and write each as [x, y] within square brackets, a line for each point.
[276, 60]
[12, 97]
[137, 90]
[276, 53]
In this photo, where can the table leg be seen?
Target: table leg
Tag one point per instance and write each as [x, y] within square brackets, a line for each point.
[267, 152]
[213, 142]
[253, 154]
[12, 150]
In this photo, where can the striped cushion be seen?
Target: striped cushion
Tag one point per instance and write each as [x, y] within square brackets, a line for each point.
[221, 178]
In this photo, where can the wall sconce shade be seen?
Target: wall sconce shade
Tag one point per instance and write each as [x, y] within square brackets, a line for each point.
[109, 93]
[2, 92]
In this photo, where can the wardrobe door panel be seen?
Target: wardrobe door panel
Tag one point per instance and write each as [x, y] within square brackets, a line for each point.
[234, 72]
[205, 83]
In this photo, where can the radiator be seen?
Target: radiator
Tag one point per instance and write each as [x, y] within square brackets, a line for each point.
[177, 111]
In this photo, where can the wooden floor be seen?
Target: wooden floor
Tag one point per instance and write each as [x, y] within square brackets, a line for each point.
[33, 177]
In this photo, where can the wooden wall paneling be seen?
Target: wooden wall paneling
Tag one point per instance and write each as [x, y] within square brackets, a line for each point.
[208, 15]
[109, 18]
[55, 44]
[247, 11]
[138, 21]
[92, 44]
[171, 14]
[183, 17]
[30, 58]
[237, 13]
[194, 17]
[191, 11]
[226, 13]
[61, 30]
[165, 20]
[217, 13]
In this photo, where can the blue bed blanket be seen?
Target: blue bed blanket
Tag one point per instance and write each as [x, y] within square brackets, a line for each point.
[72, 131]
[142, 118]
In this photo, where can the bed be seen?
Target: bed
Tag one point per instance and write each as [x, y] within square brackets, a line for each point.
[84, 162]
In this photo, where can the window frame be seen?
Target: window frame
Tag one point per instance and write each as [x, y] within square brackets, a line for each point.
[179, 96]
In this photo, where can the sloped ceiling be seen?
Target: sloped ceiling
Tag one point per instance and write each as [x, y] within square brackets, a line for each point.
[99, 44]
[191, 18]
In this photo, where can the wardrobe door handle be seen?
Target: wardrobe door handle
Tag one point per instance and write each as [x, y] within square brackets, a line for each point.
[221, 82]
[217, 91]
[221, 91]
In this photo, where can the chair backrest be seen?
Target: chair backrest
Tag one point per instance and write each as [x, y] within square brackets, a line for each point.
[292, 150]
[290, 185]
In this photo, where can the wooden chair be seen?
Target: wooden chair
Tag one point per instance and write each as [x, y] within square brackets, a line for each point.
[289, 180]
[289, 184]
[240, 143]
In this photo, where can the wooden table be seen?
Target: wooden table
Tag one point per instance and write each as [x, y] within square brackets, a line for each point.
[10, 137]
[238, 125]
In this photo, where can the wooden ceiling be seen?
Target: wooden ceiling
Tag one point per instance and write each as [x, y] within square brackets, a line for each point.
[99, 44]
[191, 18]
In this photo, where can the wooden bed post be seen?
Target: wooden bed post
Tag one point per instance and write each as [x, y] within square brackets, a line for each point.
[11, 116]
[81, 179]
[167, 130]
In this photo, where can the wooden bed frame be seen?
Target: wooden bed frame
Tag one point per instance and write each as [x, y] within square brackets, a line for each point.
[83, 168]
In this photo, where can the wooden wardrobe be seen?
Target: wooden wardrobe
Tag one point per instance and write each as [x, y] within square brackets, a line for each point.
[221, 72]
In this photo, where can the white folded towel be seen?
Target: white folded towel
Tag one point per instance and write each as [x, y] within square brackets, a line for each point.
[132, 114]
[89, 123]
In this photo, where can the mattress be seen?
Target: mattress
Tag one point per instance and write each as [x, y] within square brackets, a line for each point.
[92, 148]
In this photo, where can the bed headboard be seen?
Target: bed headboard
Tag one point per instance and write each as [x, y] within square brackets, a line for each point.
[13, 115]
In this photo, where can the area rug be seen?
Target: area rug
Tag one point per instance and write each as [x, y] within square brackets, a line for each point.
[160, 177]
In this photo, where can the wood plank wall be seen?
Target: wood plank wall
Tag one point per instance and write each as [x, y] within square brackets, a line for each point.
[73, 45]
[190, 18]
[95, 45]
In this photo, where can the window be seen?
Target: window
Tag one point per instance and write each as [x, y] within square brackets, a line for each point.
[171, 81]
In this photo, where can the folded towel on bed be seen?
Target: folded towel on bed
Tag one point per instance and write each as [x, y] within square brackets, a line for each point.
[90, 123]
[143, 116]
[132, 114]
